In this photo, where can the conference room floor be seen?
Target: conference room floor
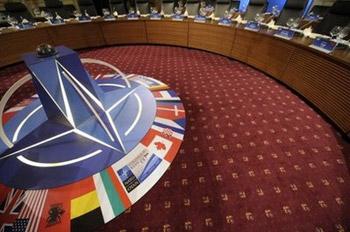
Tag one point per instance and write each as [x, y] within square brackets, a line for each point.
[255, 156]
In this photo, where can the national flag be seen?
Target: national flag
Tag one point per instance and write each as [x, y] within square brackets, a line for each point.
[58, 209]
[166, 136]
[111, 199]
[150, 83]
[169, 124]
[85, 212]
[28, 208]
[166, 95]
[171, 110]
[10, 206]
[20, 225]
[160, 146]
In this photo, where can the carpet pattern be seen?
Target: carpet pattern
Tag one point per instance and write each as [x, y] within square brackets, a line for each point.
[255, 156]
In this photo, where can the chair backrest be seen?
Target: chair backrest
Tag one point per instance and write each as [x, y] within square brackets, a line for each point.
[88, 6]
[235, 4]
[53, 6]
[221, 6]
[143, 6]
[121, 6]
[291, 9]
[168, 6]
[337, 15]
[320, 10]
[17, 10]
[254, 7]
[192, 7]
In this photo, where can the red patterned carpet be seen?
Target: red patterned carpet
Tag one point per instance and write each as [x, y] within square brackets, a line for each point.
[255, 156]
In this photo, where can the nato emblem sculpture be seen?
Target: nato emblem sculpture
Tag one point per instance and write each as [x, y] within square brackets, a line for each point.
[122, 129]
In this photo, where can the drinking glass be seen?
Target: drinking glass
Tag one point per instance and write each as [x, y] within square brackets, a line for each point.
[76, 13]
[154, 10]
[344, 32]
[259, 18]
[296, 23]
[202, 11]
[132, 11]
[36, 12]
[105, 12]
[12, 20]
[335, 31]
[48, 16]
[178, 10]
[290, 22]
[58, 17]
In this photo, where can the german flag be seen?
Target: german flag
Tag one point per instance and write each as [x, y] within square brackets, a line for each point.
[85, 212]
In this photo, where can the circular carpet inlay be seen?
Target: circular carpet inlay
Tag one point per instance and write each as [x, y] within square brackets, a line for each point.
[255, 156]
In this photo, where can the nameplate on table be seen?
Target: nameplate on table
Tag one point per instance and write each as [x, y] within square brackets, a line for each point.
[133, 16]
[156, 16]
[312, 18]
[84, 19]
[178, 17]
[200, 19]
[56, 21]
[252, 26]
[109, 18]
[323, 45]
[24, 26]
[225, 22]
[284, 33]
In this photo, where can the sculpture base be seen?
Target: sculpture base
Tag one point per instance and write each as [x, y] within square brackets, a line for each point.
[100, 197]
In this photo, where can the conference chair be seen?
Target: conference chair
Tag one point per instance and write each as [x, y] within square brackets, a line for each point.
[121, 6]
[337, 15]
[291, 9]
[254, 7]
[88, 6]
[320, 10]
[56, 6]
[168, 7]
[17, 10]
[192, 7]
[235, 4]
[143, 6]
[221, 6]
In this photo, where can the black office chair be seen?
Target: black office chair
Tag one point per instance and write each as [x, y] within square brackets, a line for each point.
[143, 6]
[235, 4]
[192, 7]
[291, 9]
[17, 10]
[254, 7]
[168, 6]
[221, 6]
[121, 6]
[88, 6]
[337, 15]
[320, 10]
[53, 6]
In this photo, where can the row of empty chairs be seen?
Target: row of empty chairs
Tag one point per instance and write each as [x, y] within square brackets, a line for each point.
[337, 15]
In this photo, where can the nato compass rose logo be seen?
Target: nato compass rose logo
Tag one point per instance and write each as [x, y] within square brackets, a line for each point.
[76, 128]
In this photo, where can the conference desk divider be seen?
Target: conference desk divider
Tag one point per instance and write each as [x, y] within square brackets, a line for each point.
[322, 79]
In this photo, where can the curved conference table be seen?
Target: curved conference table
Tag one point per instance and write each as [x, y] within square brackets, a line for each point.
[323, 79]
